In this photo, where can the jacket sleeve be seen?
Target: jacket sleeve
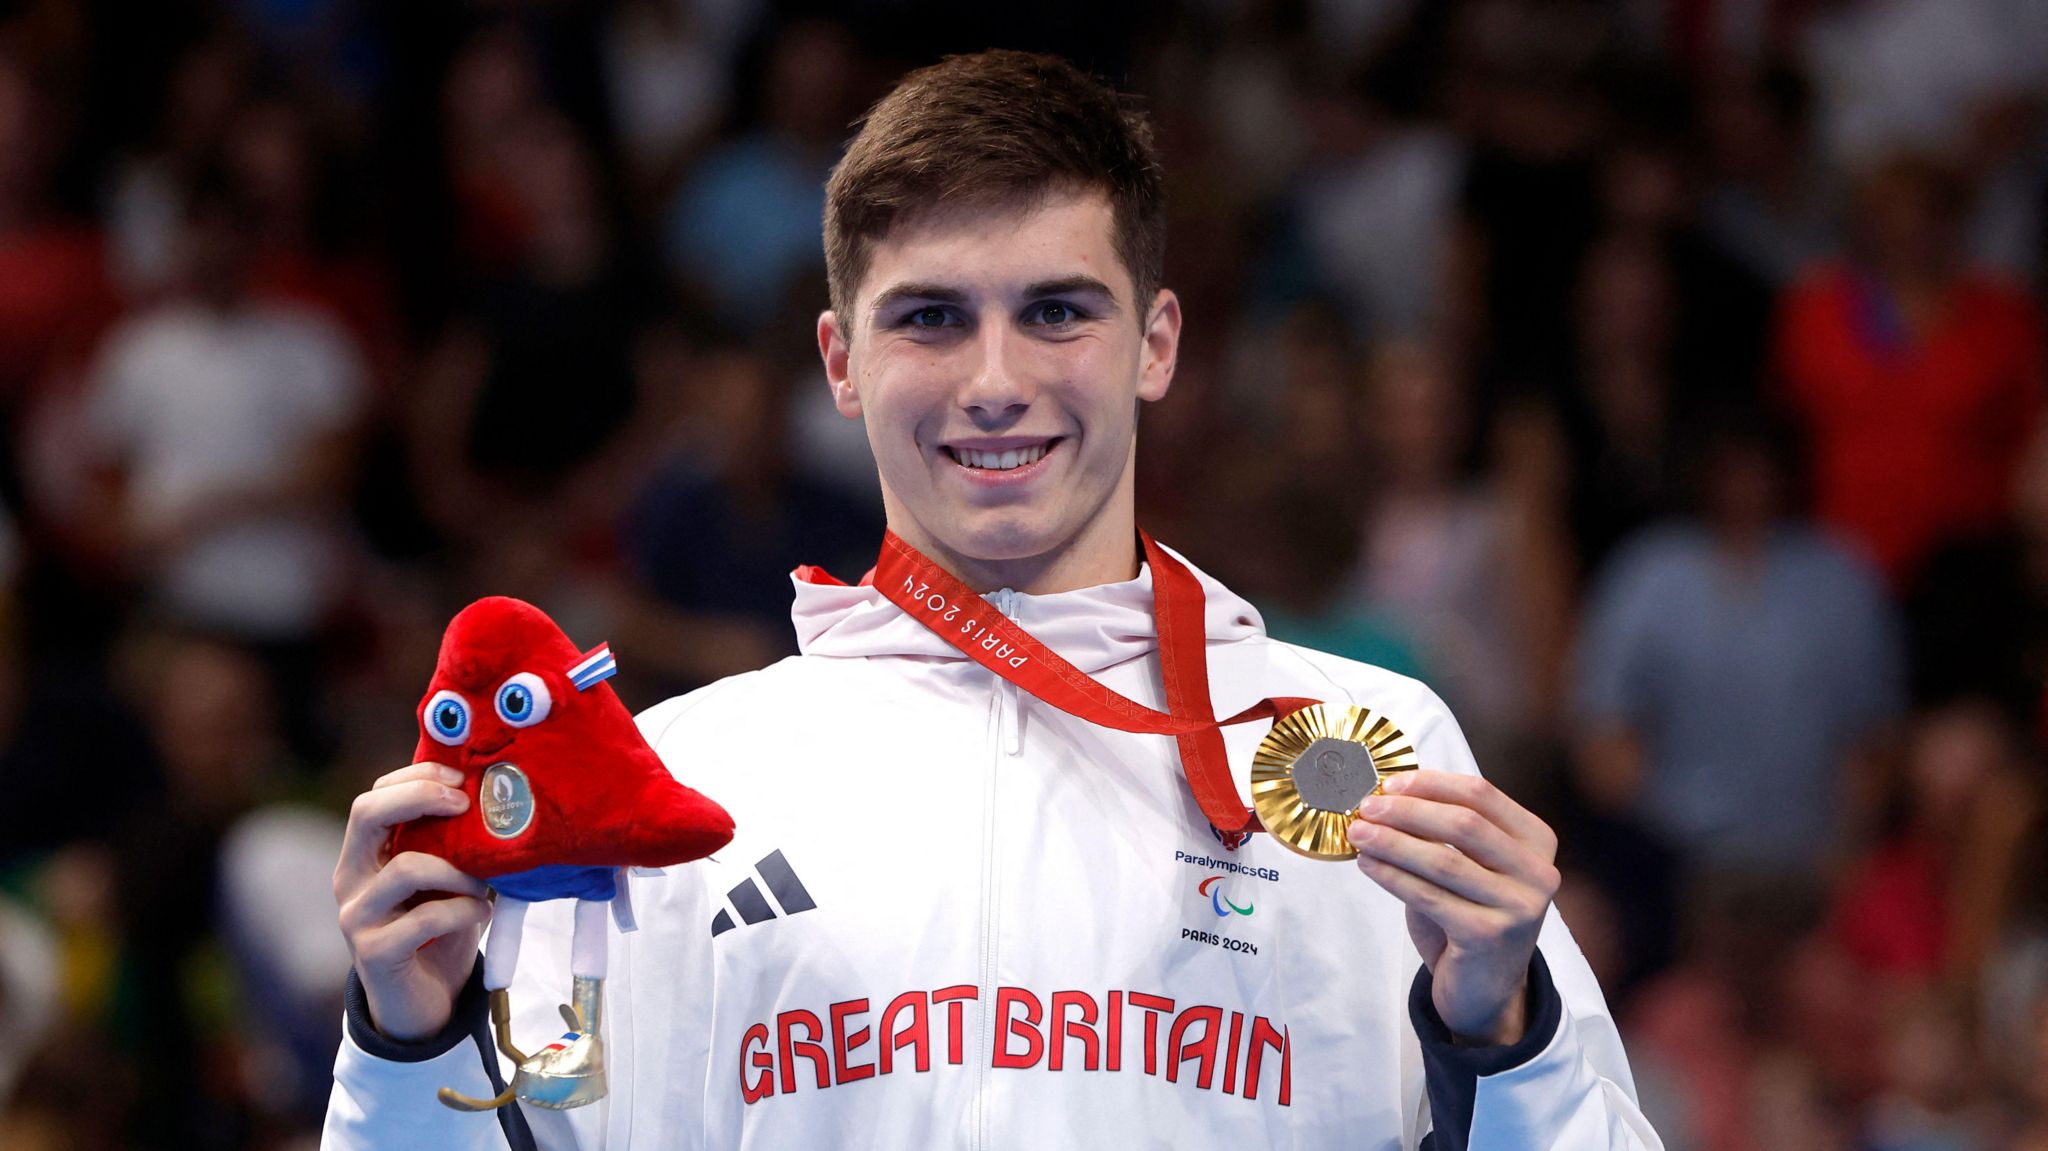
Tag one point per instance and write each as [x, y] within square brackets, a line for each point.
[384, 1090]
[1566, 1085]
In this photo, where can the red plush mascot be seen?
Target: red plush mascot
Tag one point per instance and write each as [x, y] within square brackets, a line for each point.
[566, 796]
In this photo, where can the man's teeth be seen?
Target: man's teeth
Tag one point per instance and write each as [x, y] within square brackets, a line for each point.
[1000, 461]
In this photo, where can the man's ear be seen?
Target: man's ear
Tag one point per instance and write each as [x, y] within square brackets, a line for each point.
[1162, 346]
[835, 348]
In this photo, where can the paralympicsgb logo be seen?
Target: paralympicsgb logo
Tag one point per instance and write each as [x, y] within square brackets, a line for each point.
[1213, 888]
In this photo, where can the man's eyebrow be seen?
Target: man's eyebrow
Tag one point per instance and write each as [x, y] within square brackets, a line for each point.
[1072, 286]
[897, 292]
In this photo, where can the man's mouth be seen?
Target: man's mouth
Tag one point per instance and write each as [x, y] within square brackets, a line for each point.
[999, 460]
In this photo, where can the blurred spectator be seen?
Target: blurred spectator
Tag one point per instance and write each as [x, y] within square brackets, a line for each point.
[206, 83]
[711, 539]
[1768, 204]
[1979, 611]
[55, 293]
[225, 426]
[1625, 404]
[28, 992]
[669, 67]
[1714, 1029]
[1711, 342]
[1928, 901]
[1730, 670]
[2024, 1065]
[1291, 497]
[1708, 36]
[215, 724]
[329, 40]
[500, 440]
[1917, 380]
[489, 90]
[2008, 162]
[1530, 205]
[302, 219]
[1912, 74]
[1479, 573]
[1375, 214]
[289, 966]
[745, 230]
[1934, 1097]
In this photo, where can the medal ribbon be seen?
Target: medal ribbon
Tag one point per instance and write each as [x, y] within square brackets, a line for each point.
[960, 616]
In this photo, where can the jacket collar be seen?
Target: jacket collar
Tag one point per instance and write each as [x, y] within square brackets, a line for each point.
[1092, 628]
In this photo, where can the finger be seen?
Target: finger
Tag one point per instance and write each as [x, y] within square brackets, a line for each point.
[1476, 836]
[371, 818]
[1457, 917]
[440, 772]
[1437, 862]
[396, 941]
[1481, 796]
[409, 874]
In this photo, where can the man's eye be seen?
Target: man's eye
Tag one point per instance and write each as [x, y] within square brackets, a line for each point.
[927, 318]
[1054, 313]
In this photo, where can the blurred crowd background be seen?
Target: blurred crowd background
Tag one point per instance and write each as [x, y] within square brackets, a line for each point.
[1657, 379]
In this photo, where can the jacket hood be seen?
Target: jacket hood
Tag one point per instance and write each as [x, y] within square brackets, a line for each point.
[1092, 628]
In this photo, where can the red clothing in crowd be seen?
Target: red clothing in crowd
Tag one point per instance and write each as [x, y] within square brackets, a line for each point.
[1892, 915]
[55, 298]
[1914, 440]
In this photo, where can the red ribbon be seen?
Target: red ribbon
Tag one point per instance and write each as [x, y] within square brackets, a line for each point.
[960, 616]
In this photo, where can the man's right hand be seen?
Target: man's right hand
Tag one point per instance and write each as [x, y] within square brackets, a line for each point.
[412, 921]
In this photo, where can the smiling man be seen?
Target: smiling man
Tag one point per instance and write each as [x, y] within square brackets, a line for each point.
[977, 899]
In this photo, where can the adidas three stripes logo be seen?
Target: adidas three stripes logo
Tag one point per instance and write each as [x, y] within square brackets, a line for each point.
[753, 906]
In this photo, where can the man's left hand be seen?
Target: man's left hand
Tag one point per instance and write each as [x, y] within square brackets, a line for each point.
[1475, 870]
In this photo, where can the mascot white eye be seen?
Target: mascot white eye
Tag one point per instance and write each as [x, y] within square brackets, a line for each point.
[447, 718]
[523, 700]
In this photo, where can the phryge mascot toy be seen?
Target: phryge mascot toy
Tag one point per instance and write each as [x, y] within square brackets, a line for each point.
[566, 796]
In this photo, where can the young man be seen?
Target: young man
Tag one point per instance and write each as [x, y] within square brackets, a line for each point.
[956, 916]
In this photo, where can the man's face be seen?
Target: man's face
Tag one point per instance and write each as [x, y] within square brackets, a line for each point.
[997, 356]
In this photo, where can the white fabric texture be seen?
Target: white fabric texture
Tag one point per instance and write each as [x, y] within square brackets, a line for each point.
[1014, 942]
[198, 403]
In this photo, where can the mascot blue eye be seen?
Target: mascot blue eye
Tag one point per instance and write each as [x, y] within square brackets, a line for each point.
[523, 700]
[447, 718]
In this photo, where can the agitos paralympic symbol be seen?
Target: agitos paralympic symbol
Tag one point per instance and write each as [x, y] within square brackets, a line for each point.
[1213, 888]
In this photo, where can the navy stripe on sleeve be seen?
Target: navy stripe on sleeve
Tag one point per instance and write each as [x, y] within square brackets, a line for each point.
[1451, 1073]
[472, 1010]
[471, 1020]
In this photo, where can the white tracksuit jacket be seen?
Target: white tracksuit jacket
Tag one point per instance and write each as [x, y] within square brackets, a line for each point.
[955, 917]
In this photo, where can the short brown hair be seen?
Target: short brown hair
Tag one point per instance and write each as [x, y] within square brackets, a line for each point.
[987, 129]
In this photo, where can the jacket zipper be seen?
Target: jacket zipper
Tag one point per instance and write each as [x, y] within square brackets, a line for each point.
[1004, 738]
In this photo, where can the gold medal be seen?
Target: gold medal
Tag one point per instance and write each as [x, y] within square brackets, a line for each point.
[1316, 766]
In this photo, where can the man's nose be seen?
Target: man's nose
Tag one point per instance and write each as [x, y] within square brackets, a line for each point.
[1000, 384]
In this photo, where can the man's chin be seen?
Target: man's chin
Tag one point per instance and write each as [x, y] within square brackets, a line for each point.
[999, 538]
[1001, 543]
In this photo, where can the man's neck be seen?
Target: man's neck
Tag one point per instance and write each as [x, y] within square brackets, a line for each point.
[1110, 556]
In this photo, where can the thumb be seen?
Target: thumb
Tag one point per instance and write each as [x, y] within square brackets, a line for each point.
[1429, 939]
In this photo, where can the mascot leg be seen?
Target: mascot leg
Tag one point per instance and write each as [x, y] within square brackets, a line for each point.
[501, 957]
[570, 1071]
[587, 964]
